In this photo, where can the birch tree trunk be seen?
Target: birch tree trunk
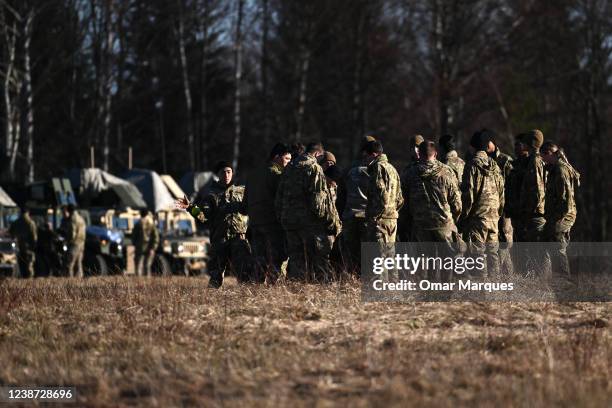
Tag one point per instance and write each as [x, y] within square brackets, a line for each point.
[202, 161]
[8, 83]
[304, 64]
[264, 70]
[29, 97]
[108, 82]
[238, 84]
[186, 86]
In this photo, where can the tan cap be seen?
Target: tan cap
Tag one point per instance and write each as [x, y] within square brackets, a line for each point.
[534, 138]
[328, 156]
[417, 140]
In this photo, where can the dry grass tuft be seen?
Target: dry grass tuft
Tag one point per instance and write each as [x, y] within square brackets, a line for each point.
[172, 342]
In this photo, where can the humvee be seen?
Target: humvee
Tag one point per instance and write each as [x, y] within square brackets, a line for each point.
[8, 246]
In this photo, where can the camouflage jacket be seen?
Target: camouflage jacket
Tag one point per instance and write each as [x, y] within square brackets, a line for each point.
[384, 190]
[260, 194]
[514, 183]
[352, 192]
[456, 163]
[222, 211]
[533, 188]
[504, 162]
[560, 208]
[74, 229]
[432, 195]
[303, 198]
[24, 231]
[482, 191]
[145, 235]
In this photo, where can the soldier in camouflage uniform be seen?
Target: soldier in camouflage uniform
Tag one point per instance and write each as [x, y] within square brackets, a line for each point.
[73, 229]
[307, 216]
[482, 198]
[146, 240]
[384, 202]
[24, 231]
[224, 213]
[504, 162]
[560, 204]
[432, 197]
[352, 202]
[405, 227]
[266, 233]
[450, 156]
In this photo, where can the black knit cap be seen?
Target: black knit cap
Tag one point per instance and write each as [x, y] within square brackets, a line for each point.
[480, 139]
[221, 165]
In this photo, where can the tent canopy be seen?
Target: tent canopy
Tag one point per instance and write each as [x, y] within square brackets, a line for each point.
[193, 182]
[97, 187]
[152, 187]
[6, 200]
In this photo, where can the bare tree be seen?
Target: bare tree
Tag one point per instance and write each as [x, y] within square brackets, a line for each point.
[238, 84]
[180, 35]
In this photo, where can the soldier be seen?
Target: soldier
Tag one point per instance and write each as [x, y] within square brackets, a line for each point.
[384, 202]
[307, 216]
[560, 204]
[450, 156]
[432, 197]
[24, 231]
[327, 161]
[505, 233]
[352, 202]
[267, 236]
[224, 213]
[405, 222]
[73, 229]
[146, 240]
[482, 199]
[514, 182]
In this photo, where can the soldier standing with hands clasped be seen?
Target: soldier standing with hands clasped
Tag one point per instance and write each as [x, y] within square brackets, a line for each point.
[146, 240]
[24, 231]
[73, 228]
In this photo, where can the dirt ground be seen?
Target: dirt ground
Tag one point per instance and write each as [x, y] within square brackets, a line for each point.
[124, 341]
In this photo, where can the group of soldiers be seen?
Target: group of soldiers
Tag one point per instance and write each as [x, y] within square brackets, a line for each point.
[72, 230]
[301, 208]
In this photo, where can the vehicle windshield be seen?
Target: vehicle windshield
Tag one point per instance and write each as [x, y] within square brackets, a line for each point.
[121, 224]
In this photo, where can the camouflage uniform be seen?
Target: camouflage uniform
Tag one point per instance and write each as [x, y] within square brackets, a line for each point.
[433, 200]
[146, 241]
[24, 230]
[482, 196]
[532, 198]
[504, 162]
[74, 230]
[308, 218]
[560, 212]
[512, 208]
[223, 212]
[266, 233]
[456, 163]
[382, 211]
[353, 197]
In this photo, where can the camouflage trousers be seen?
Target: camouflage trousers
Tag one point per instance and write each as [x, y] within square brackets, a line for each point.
[532, 261]
[144, 263]
[74, 260]
[309, 249]
[558, 251]
[482, 239]
[26, 259]
[269, 251]
[354, 232]
[384, 231]
[234, 254]
[506, 237]
[445, 241]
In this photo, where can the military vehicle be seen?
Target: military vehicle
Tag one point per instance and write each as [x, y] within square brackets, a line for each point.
[181, 250]
[8, 247]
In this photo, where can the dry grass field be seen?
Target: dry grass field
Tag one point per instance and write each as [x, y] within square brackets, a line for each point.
[172, 342]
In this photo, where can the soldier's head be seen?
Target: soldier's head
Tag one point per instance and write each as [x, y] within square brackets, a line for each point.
[520, 147]
[68, 210]
[315, 149]
[25, 210]
[534, 139]
[550, 152]
[427, 151]
[373, 150]
[327, 159]
[280, 154]
[297, 149]
[481, 139]
[143, 212]
[447, 143]
[224, 171]
[415, 142]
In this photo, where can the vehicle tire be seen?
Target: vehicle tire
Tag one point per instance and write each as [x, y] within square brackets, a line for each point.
[161, 266]
[97, 266]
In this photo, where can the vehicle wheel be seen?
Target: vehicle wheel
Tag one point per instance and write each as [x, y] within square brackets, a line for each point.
[97, 266]
[161, 266]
